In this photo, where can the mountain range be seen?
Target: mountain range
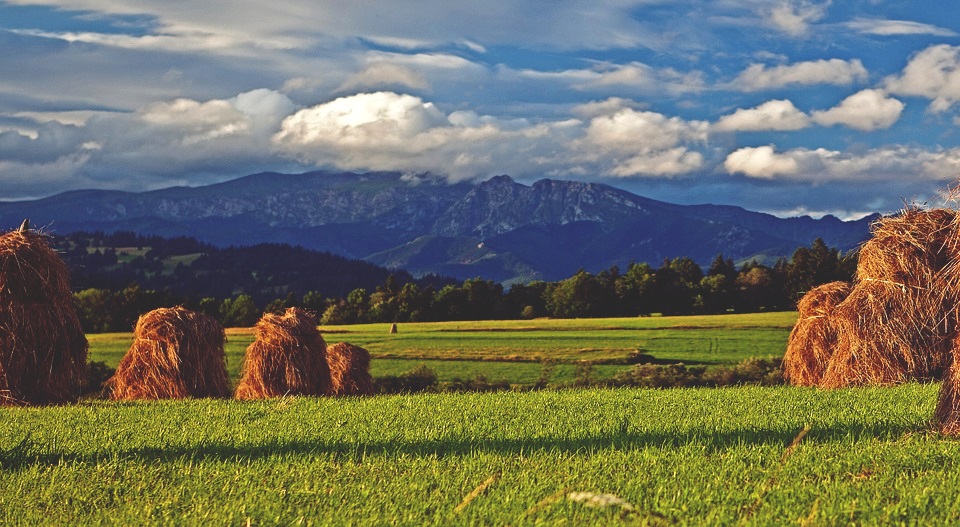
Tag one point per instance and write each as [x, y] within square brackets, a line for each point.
[498, 229]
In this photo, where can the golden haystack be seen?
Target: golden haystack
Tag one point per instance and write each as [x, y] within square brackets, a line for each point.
[814, 337]
[899, 321]
[176, 353]
[43, 352]
[350, 369]
[889, 334]
[288, 357]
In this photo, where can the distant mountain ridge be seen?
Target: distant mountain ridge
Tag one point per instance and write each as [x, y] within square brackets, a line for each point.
[498, 229]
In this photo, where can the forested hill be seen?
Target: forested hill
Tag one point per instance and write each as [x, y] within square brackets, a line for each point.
[186, 267]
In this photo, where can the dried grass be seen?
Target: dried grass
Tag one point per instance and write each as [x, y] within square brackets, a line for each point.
[176, 354]
[350, 369]
[43, 351]
[288, 357]
[815, 335]
[899, 321]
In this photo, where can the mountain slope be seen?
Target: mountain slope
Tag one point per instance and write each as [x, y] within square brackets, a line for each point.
[498, 229]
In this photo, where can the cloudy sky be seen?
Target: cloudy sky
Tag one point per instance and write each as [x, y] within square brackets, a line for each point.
[784, 106]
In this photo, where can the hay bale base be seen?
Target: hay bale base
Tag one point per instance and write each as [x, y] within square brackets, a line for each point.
[815, 335]
[176, 354]
[350, 369]
[288, 357]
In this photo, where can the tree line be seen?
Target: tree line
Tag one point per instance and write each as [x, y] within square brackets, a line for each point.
[676, 287]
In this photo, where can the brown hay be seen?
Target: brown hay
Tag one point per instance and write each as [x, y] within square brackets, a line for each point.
[289, 357]
[814, 336]
[890, 335]
[43, 352]
[910, 249]
[898, 322]
[175, 354]
[350, 369]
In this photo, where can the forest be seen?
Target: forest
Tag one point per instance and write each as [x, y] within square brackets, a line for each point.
[118, 276]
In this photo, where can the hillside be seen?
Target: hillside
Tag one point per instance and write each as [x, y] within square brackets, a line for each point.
[498, 229]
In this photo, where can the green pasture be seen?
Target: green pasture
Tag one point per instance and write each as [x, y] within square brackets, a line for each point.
[729, 456]
[515, 351]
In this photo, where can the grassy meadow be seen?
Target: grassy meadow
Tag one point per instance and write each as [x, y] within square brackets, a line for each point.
[744, 455]
[728, 456]
[515, 351]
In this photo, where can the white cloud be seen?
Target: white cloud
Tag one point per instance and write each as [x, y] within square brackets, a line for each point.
[833, 71]
[890, 164]
[392, 131]
[882, 27]
[760, 162]
[933, 73]
[605, 107]
[865, 110]
[383, 118]
[772, 115]
[795, 17]
[637, 143]
[610, 78]
[641, 78]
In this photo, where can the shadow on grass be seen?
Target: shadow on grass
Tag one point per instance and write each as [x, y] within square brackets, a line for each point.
[25, 454]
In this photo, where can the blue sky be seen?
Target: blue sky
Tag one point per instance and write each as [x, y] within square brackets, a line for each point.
[787, 106]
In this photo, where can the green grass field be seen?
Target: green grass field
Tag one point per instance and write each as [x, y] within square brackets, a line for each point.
[729, 456]
[514, 351]
[572, 457]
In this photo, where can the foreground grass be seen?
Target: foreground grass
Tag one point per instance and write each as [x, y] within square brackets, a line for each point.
[693, 457]
[513, 351]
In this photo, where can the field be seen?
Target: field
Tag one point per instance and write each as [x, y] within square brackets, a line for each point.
[515, 351]
[729, 456]
[662, 457]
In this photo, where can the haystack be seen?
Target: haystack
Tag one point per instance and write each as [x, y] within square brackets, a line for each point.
[890, 334]
[176, 353]
[43, 352]
[898, 322]
[288, 357]
[815, 335]
[350, 369]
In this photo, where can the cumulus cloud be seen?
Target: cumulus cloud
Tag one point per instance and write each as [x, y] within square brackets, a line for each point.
[882, 27]
[161, 144]
[865, 110]
[386, 130]
[644, 143]
[833, 71]
[933, 73]
[778, 115]
[895, 163]
[795, 17]
[760, 162]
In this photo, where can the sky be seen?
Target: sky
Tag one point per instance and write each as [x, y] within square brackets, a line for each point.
[784, 106]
